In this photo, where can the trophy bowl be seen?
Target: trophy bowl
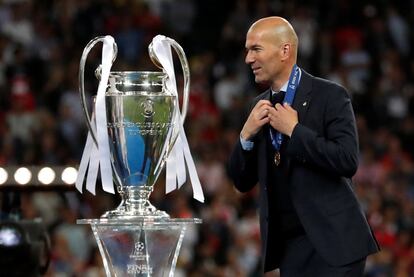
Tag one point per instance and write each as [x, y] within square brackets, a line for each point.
[140, 121]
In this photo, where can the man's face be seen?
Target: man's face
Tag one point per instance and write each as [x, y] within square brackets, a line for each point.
[263, 54]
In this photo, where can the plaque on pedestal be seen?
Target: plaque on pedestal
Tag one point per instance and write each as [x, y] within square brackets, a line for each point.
[139, 247]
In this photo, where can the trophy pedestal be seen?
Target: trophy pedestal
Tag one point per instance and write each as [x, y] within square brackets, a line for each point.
[141, 246]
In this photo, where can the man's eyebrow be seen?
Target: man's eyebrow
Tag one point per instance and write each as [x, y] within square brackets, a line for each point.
[253, 46]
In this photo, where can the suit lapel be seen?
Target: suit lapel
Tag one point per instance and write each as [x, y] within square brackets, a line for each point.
[303, 95]
[301, 102]
[263, 147]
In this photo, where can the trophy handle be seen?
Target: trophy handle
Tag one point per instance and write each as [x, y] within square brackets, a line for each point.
[186, 71]
[85, 53]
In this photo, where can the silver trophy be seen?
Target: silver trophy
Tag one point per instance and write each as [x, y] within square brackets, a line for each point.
[140, 114]
[136, 239]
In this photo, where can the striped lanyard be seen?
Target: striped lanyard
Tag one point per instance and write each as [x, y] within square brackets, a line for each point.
[294, 78]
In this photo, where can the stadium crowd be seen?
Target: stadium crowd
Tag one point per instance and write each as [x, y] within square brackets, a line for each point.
[367, 46]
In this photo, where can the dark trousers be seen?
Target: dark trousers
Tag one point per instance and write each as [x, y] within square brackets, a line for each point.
[301, 260]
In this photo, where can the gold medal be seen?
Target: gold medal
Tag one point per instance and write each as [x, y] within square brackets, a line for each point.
[277, 158]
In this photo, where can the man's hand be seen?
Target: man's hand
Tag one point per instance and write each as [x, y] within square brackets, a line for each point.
[283, 118]
[257, 118]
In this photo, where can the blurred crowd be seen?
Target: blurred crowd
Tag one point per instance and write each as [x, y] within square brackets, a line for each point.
[367, 46]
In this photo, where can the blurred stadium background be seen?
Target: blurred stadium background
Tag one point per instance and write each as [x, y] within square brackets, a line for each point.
[365, 45]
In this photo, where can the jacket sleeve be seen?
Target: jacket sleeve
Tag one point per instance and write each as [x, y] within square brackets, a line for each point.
[242, 167]
[336, 149]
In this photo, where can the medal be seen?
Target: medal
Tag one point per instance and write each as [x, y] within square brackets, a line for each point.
[277, 158]
[275, 136]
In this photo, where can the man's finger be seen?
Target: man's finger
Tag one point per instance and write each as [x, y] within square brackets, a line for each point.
[287, 106]
[263, 102]
[278, 106]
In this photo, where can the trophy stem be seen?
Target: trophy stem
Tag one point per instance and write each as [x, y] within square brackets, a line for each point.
[137, 200]
[135, 204]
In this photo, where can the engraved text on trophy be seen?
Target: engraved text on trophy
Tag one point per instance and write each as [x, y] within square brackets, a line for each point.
[139, 127]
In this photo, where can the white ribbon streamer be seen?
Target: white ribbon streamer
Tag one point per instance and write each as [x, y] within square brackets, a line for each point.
[93, 170]
[180, 155]
[84, 163]
[99, 157]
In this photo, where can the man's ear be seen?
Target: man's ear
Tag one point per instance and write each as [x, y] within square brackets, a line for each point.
[286, 50]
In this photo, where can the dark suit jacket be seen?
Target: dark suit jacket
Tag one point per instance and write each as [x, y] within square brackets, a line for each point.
[322, 156]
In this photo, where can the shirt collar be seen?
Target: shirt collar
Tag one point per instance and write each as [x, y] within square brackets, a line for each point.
[285, 85]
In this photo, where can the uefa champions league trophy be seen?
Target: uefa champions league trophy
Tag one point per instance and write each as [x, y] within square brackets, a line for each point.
[142, 122]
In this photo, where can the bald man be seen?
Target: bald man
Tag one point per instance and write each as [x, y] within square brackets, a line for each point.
[300, 144]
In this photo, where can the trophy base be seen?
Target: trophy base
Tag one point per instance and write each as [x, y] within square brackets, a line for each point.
[123, 214]
[140, 247]
[127, 211]
[135, 205]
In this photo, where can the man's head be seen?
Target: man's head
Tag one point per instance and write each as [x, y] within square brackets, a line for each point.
[271, 45]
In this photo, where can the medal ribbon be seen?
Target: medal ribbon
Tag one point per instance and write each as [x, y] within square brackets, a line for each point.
[293, 83]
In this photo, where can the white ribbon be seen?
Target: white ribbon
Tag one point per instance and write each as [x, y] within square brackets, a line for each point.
[180, 155]
[99, 157]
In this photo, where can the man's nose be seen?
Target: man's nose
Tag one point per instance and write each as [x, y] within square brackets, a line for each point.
[249, 59]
